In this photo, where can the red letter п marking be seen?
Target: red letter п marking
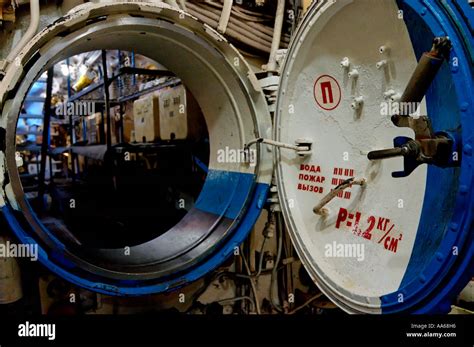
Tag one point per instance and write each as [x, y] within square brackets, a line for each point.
[326, 90]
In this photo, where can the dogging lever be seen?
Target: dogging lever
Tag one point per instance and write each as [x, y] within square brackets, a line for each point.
[428, 146]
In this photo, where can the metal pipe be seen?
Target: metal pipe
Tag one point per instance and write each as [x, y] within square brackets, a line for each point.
[274, 276]
[225, 16]
[182, 3]
[427, 69]
[388, 153]
[45, 140]
[252, 283]
[71, 125]
[107, 99]
[172, 3]
[271, 66]
[30, 32]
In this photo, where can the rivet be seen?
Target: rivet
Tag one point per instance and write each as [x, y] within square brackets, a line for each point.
[381, 64]
[356, 104]
[353, 73]
[345, 62]
[396, 97]
[383, 49]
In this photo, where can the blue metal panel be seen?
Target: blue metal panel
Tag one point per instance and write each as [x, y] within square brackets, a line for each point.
[224, 193]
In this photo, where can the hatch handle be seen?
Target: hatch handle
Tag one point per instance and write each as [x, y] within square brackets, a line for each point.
[427, 147]
[319, 209]
[302, 146]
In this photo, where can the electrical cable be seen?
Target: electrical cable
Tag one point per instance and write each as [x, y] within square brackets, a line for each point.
[232, 28]
[251, 32]
[230, 32]
[309, 301]
[240, 298]
[260, 263]
[274, 276]
[252, 284]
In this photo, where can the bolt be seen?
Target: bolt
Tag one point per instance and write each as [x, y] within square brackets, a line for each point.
[383, 49]
[396, 97]
[353, 73]
[345, 63]
[381, 64]
[357, 103]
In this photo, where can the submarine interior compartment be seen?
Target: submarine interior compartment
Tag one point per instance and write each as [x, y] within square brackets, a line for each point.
[252, 157]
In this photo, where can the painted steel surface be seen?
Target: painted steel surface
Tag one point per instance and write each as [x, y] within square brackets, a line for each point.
[235, 112]
[395, 244]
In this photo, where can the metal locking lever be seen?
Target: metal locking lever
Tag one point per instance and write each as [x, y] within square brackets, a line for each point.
[428, 146]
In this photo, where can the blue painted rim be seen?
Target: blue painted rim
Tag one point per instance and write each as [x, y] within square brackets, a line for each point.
[430, 284]
[136, 288]
[231, 201]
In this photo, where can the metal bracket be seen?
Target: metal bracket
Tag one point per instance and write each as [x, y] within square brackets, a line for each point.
[274, 199]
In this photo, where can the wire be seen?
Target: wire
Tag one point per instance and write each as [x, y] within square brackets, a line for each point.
[240, 26]
[240, 298]
[252, 283]
[234, 28]
[230, 31]
[257, 16]
[252, 13]
[275, 268]
[305, 304]
[260, 263]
